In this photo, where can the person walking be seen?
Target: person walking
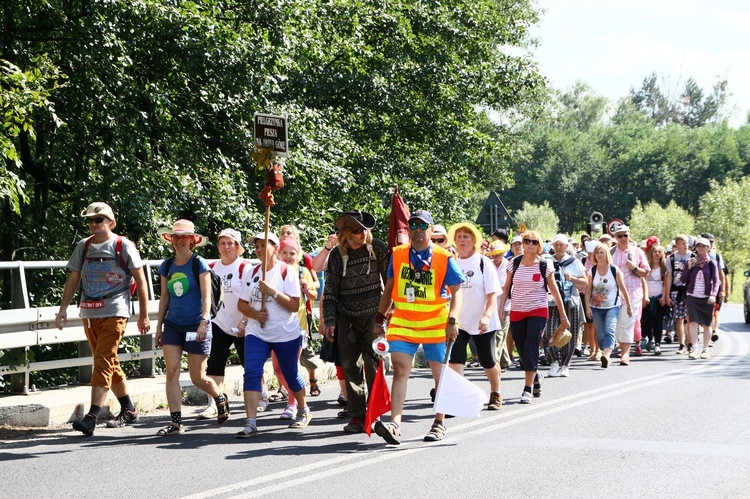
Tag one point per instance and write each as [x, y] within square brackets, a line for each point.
[103, 265]
[419, 275]
[703, 283]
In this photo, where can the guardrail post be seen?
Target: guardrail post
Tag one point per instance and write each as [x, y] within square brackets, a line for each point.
[147, 367]
[19, 299]
[85, 372]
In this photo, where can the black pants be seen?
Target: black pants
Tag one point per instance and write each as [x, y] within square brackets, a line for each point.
[485, 344]
[652, 322]
[220, 345]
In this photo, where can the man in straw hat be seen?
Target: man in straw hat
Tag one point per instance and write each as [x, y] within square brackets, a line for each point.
[104, 264]
[353, 288]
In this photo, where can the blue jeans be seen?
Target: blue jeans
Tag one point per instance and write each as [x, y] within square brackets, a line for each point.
[605, 322]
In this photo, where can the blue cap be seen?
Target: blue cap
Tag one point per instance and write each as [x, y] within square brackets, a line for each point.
[422, 215]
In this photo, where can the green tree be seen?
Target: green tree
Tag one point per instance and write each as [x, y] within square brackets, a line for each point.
[540, 218]
[662, 222]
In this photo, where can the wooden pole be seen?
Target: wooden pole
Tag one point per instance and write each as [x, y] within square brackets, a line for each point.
[264, 260]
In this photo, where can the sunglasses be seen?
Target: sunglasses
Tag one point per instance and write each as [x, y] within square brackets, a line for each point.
[96, 220]
[620, 236]
[439, 240]
[532, 242]
[419, 225]
[182, 236]
[360, 230]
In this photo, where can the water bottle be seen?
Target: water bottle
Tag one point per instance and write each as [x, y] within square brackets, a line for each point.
[380, 346]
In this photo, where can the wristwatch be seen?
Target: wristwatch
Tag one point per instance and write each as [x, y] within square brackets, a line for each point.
[452, 321]
[275, 295]
[244, 321]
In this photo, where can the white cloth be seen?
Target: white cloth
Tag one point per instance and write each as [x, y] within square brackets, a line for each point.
[458, 396]
[474, 290]
[282, 325]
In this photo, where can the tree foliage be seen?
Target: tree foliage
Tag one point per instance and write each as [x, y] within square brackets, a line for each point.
[662, 222]
[159, 98]
[540, 218]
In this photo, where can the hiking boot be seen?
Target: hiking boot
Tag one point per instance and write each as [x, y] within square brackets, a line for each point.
[496, 402]
[124, 418]
[86, 425]
[355, 425]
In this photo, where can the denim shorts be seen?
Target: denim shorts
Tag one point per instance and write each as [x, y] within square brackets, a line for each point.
[174, 334]
[433, 352]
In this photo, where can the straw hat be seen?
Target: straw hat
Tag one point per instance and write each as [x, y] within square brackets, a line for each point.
[183, 227]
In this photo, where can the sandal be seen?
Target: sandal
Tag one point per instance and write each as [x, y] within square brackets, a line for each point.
[437, 432]
[247, 432]
[314, 389]
[537, 392]
[303, 418]
[289, 412]
[222, 410]
[390, 432]
[172, 429]
[279, 396]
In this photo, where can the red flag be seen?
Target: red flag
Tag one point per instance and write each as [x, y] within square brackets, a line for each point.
[399, 222]
[380, 399]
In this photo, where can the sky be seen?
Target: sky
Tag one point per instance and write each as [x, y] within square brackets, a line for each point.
[613, 45]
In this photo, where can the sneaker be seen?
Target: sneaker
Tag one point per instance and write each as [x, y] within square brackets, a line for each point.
[172, 429]
[657, 350]
[343, 414]
[564, 371]
[650, 346]
[209, 412]
[587, 351]
[705, 354]
[667, 339]
[85, 425]
[341, 400]
[124, 418]
[537, 391]
[644, 344]
[356, 425]
[681, 350]
[693, 354]
[436, 433]
[554, 371]
[638, 351]
[390, 432]
[222, 410]
[714, 335]
[526, 397]
[605, 361]
[496, 402]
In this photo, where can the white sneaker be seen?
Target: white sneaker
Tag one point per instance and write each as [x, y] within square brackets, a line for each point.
[693, 354]
[705, 355]
[554, 371]
[526, 398]
[564, 371]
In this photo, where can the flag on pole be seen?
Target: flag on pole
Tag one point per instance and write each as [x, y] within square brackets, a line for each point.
[380, 399]
[399, 221]
[457, 395]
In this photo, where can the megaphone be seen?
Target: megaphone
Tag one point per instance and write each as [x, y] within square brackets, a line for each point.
[595, 222]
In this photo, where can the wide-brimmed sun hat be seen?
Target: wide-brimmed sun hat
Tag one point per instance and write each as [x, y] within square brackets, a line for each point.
[355, 219]
[468, 226]
[183, 227]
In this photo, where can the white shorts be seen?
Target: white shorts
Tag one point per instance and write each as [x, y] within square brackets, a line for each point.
[625, 330]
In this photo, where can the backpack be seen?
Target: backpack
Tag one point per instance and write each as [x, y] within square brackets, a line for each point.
[675, 286]
[242, 266]
[565, 287]
[217, 290]
[284, 267]
[118, 258]
[542, 270]
[613, 269]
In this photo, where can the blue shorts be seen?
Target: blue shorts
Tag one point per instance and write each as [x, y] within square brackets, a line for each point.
[433, 352]
[174, 334]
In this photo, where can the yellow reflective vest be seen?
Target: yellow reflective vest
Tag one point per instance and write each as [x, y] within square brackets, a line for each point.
[424, 319]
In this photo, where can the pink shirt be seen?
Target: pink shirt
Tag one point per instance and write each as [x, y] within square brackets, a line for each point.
[632, 281]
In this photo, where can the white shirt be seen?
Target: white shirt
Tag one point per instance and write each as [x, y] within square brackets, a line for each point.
[282, 325]
[228, 316]
[474, 290]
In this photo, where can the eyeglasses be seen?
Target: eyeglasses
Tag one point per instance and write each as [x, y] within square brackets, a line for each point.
[419, 225]
[620, 236]
[182, 236]
[532, 242]
[360, 230]
[439, 240]
[96, 220]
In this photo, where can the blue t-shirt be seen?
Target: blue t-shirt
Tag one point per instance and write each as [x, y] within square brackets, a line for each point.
[184, 291]
[453, 274]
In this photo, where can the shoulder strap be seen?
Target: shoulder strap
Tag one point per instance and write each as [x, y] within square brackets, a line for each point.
[481, 264]
[196, 269]
[170, 261]
[257, 268]
[118, 254]
[516, 262]
[211, 264]
[543, 271]
[242, 267]
[86, 245]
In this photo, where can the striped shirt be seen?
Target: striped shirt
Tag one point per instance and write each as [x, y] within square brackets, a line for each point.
[529, 296]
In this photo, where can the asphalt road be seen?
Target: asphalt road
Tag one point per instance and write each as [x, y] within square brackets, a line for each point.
[662, 427]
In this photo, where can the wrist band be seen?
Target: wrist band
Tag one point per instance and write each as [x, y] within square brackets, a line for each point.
[379, 318]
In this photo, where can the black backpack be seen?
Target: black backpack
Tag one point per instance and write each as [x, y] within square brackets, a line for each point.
[542, 270]
[217, 290]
